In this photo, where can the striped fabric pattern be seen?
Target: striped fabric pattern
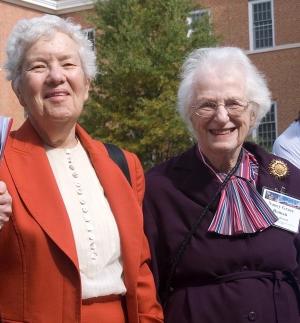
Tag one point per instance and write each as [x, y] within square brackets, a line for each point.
[241, 208]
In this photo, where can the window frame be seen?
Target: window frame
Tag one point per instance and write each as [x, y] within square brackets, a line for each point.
[251, 26]
[86, 31]
[255, 134]
[189, 19]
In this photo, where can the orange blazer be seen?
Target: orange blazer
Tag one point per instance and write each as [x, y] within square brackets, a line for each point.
[39, 273]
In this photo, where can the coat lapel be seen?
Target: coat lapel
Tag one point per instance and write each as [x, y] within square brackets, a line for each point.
[191, 176]
[36, 185]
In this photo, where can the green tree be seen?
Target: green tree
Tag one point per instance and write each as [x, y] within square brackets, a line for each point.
[141, 45]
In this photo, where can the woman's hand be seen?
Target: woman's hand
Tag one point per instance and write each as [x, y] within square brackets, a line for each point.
[5, 204]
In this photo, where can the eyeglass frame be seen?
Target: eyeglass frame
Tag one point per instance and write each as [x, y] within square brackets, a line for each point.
[217, 104]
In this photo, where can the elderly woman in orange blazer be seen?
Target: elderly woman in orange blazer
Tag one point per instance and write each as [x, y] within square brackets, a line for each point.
[74, 249]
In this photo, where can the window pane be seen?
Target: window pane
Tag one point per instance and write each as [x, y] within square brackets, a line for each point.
[262, 24]
[196, 16]
[266, 132]
[90, 35]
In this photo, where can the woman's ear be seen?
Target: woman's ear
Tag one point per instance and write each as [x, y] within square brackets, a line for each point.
[253, 116]
[15, 85]
[87, 88]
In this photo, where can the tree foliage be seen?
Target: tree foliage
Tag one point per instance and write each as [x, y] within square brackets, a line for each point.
[141, 45]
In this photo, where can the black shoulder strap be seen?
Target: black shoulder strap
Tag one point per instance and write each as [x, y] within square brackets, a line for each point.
[117, 155]
[175, 260]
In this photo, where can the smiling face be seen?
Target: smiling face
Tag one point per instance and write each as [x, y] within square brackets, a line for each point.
[52, 86]
[221, 136]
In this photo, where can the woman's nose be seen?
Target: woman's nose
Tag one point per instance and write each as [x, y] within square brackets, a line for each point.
[56, 75]
[221, 114]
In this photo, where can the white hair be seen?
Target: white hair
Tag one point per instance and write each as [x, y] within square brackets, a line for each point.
[200, 62]
[27, 31]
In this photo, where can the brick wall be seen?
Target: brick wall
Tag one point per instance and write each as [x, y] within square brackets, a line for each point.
[282, 69]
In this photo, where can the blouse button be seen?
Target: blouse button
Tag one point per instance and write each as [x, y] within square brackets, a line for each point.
[91, 237]
[94, 255]
[89, 227]
[252, 316]
[75, 174]
[71, 167]
[86, 218]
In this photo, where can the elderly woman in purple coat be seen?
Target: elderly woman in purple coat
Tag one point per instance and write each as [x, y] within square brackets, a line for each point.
[222, 218]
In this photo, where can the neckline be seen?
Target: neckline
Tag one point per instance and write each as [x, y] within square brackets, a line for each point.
[64, 149]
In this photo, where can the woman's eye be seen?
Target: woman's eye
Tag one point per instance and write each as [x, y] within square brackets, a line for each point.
[69, 64]
[209, 104]
[232, 103]
[37, 67]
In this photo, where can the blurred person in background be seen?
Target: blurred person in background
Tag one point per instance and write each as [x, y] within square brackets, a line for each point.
[287, 145]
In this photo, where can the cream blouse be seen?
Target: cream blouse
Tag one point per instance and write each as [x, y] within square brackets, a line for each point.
[94, 228]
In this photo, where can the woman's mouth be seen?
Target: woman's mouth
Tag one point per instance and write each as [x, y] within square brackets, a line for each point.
[56, 93]
[220, 132]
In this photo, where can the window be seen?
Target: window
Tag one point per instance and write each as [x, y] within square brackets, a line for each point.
[267, 130]
[261, 24]
[90, 35]
[194, 17]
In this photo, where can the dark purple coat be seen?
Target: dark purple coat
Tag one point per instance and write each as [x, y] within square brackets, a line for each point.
[265, 265]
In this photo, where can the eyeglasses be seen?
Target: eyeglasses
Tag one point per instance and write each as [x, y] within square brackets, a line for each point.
[208, 108]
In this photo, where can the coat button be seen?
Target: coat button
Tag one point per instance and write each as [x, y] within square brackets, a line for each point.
[252, 316]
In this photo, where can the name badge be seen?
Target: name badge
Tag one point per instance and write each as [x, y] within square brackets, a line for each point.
[285, 207]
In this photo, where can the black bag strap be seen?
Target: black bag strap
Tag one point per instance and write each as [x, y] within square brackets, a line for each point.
[175, 260]
[117, 155]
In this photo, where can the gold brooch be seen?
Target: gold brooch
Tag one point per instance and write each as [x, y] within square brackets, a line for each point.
[278, 168]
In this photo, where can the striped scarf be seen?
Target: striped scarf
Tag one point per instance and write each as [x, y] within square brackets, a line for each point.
[241, 208]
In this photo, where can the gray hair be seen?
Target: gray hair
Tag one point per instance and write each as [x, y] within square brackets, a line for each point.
[27, 31]
[224, 59]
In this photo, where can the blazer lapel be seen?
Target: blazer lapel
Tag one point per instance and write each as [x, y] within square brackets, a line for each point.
[36, 185]
[193, 178]
[122, 201]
